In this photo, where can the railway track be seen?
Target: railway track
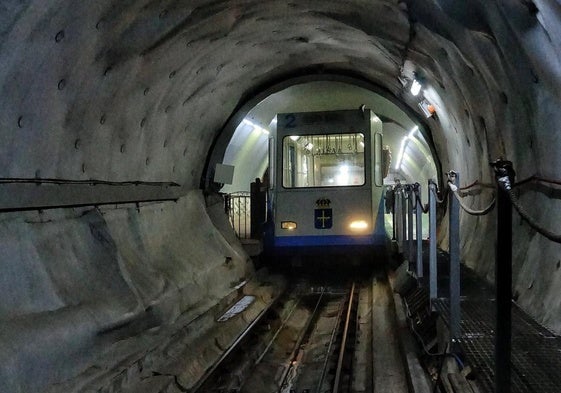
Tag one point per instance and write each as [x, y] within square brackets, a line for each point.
[305, 343]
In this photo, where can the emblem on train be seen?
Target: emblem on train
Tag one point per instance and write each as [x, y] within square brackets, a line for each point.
[323, 215]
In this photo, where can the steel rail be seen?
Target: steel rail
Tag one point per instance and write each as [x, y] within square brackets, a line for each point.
[234, 345]
[331, 342]
[296, 349]
[343, 343]
[260, 358]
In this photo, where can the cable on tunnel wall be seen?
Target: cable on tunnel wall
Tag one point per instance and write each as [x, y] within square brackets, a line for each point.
[476, 183]
[14, 180]
[554, 237]
[532, 222]
[416, 190]
[467, 209]
[535, 178]
[440, 201]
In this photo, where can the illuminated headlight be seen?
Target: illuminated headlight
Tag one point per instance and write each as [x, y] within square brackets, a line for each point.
[289, 225]
[358, 225]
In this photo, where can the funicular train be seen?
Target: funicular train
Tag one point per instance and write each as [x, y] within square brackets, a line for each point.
[326, 185]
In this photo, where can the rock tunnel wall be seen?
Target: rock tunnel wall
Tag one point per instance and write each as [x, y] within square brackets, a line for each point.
[495, 76]
[85, 284]
[138, 91]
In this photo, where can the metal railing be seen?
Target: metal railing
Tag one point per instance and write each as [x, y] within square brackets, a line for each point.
[409, 210]
[238, 208]
[407, 201]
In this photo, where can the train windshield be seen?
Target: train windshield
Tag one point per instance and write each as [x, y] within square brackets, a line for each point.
[329, 160]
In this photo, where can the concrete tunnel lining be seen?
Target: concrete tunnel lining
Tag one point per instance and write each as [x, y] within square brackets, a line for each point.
[138, 91]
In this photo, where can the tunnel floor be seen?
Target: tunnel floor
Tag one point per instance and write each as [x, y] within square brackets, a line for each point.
[536, 351]
[325, 333]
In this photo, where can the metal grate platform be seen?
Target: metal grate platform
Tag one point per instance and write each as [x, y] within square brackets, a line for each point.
[536, 352]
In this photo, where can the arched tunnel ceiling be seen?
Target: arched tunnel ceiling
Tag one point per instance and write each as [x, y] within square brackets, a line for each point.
[137, 90]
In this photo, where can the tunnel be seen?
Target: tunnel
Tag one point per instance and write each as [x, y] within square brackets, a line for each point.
[115, 251]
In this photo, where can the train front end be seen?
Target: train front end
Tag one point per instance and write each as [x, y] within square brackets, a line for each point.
[326, 195]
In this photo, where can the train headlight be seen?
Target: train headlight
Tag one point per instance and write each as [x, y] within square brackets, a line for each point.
[358, 225]
[289, 225]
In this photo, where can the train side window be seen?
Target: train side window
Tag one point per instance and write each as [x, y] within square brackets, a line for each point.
[329, 160]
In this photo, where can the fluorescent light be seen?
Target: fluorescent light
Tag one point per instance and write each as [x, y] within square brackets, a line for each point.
[404, 142]
[415, 87]
[255, 126]
[309, 146]
[294, 137]
[400, 155]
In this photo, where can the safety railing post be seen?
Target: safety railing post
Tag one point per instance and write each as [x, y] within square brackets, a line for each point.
[403, 209]
[454, 249]
[397, 215]
[394, 229]
[504, 174]
[433, 270]
[410, 200]
[419, 228]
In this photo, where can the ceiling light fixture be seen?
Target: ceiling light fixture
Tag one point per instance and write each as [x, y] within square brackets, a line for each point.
[415, 87]
[403, 146]
[255, 126]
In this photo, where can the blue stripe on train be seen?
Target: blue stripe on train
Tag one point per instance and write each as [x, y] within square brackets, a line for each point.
[328, 240]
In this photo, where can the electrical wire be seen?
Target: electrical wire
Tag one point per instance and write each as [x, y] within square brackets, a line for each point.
[468, 209]
[424, 208]
[535, 178]
[554, 237]
[19, 180]
[440, 201]
[477, 183]
[504, 181]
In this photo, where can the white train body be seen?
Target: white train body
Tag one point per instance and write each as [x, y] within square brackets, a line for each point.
[327, 181]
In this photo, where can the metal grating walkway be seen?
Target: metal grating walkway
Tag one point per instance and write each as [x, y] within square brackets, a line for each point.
[536, 352]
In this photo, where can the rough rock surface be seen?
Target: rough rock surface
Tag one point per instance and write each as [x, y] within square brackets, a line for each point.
[85, 288]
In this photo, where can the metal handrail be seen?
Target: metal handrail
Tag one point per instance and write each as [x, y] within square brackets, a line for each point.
[238, 208]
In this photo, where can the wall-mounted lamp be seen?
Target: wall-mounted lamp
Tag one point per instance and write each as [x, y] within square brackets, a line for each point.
[415, 87]
[427, 108]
